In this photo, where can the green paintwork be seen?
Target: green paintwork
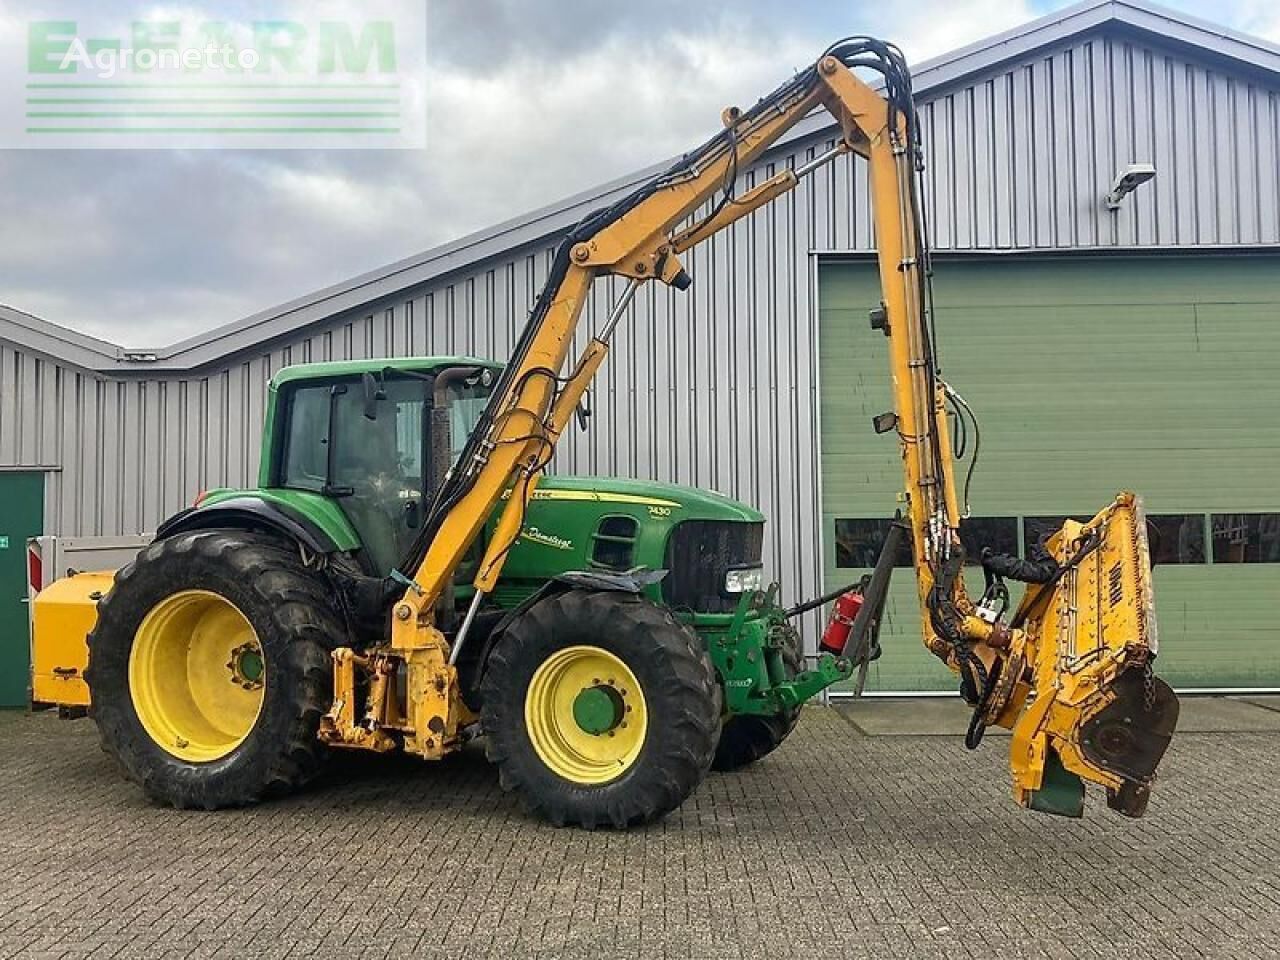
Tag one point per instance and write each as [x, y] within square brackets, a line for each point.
[21, 517]
[561, 529]
[323, 511]
[827, 672]
[250, 666]
[746, 649]
[559, 533]
[1159, 374]
[339, 370]
[595, 710]
[1061, 791]
[744, 646]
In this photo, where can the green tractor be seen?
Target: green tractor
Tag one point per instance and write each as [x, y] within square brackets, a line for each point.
[209, 664]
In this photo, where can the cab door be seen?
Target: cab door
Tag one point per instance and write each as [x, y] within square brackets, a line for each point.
[379, 466]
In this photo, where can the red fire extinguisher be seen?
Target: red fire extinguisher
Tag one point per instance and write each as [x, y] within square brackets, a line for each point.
[836, 636]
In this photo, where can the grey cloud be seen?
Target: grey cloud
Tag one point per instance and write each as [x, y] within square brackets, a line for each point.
[114, 235]
[528, 102]
[147, 247]
[480, 32]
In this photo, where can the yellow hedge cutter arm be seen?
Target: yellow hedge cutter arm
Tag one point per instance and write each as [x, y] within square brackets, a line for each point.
[1069, 673]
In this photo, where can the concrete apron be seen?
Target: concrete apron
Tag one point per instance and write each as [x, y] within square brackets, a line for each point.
[929, 716]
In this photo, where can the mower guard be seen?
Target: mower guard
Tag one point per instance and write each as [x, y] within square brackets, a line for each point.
[1085, 698]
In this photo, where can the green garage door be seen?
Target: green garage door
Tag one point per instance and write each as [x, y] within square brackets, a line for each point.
[1159, 374]
[21, 517]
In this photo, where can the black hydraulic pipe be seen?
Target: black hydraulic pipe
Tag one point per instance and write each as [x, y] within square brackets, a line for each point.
[816, 602]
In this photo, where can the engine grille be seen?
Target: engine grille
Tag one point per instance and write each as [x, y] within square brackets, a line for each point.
[699, 553]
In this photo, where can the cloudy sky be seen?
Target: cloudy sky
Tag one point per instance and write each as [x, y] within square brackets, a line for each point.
[528, 101]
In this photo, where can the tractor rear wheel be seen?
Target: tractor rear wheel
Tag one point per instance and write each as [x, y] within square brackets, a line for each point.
[747, 737]
[209, 669]
[600, 709]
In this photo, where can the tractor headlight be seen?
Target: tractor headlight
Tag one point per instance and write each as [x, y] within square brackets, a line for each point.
[744, 580]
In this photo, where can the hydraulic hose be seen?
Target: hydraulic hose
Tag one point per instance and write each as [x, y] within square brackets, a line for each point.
[1015, 568]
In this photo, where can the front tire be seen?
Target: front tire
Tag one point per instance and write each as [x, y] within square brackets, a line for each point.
[209, 669]
[600, 709]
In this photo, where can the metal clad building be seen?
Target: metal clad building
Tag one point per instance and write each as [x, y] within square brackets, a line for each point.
[721, 387]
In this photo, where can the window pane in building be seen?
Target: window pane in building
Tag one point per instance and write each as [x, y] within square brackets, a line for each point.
[858, 543]
[1036, 530]
[1176, 538]
[998, 533]
[1246, 537]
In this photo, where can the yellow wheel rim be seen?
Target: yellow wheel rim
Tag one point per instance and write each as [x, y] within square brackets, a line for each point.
[197, 675]
[586, 715]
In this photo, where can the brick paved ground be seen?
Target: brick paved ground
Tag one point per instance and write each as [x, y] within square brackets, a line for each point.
[840, 845]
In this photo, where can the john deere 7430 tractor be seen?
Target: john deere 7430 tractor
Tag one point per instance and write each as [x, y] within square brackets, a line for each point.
[212, 655]
[390, 587]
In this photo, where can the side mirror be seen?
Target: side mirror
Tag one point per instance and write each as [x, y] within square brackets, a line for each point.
[373, 392]
[583, 411]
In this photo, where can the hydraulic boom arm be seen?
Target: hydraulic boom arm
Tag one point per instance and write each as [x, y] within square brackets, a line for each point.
[1061, 673]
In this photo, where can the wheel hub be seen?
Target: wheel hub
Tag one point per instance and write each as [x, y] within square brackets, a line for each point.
[246, 666]
[599, 709]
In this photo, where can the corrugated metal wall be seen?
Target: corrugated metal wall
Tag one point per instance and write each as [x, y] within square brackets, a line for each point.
[717, 387]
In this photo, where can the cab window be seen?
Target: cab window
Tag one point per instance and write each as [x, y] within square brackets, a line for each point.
[373, 467]
[467, 401]
[306, 440]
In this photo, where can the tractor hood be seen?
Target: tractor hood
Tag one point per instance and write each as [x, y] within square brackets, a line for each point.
[684, 503]
[600, 523]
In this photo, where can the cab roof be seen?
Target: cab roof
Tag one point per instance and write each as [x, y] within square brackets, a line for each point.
[333, 369]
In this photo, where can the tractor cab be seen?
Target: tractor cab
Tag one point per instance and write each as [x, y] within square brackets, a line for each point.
[376, 438]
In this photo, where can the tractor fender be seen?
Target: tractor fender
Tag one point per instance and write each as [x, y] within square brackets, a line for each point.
[614, 582]
[250, 513]
[579, 580]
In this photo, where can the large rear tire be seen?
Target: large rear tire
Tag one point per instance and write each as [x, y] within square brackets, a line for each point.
[209, 669]
[747, 738]
[600, 709]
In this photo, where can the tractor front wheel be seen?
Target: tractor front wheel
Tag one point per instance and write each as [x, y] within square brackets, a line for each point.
[600, 709]
[209, 669]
